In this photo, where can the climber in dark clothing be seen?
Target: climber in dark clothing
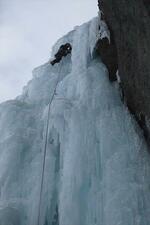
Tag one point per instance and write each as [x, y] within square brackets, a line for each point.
[63, 51]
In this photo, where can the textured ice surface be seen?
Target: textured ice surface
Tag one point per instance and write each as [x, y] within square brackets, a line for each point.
[97, 165]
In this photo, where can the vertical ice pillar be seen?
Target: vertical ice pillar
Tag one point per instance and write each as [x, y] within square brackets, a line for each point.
[80, 50]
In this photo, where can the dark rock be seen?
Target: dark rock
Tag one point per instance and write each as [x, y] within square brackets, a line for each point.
[108, 54]
[129, 21]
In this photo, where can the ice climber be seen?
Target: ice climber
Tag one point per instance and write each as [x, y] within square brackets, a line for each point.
[63, 51]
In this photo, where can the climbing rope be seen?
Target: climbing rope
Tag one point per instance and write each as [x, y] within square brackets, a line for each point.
[45, 146]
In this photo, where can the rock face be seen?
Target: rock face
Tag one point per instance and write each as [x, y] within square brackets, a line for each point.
[108, 54]
[130, 25]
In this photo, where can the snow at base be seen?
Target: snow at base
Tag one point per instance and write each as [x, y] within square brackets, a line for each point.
[97, 165]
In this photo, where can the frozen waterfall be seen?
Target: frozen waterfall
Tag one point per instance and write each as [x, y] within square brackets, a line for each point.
[97, 165]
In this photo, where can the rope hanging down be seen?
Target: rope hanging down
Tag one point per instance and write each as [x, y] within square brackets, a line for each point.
[45, 146]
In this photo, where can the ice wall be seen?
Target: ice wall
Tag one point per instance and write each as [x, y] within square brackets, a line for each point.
[97, 165]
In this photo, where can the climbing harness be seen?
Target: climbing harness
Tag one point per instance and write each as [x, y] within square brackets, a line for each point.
[45, 146]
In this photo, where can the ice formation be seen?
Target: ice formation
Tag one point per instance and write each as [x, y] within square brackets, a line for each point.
[97, 165]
